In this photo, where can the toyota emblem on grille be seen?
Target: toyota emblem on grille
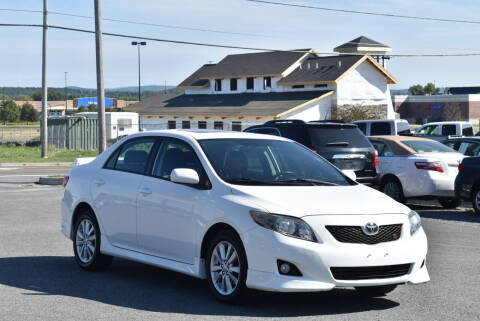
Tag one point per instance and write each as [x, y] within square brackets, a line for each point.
[370, 229]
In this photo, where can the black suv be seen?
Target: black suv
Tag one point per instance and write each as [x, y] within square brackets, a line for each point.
[344, 145]
[467, 183]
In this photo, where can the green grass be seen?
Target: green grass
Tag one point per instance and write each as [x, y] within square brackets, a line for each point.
[24, 154]
[20, 123]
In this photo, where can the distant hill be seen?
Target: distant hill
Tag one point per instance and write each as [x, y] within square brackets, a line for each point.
[57, 93]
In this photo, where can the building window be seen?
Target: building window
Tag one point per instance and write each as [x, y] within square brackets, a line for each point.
[298, 86]
[233, 84]
[237, 126]
[202, 124]
[186, 124]
[218, 85]
[250, 83]
[218, 125]
[321, 86]
[267, 82]
[172, 124]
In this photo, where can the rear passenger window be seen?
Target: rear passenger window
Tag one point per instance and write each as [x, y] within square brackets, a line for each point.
[449, 130]
[382, 148]
[133, 156]
[380, 128]
[362, 127]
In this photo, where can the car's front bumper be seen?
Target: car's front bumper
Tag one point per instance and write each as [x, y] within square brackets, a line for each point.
[314, 260]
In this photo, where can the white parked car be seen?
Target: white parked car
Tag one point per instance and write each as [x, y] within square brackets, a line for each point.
[413, 167]
[376, 127]
[441, 130]
[243, 211]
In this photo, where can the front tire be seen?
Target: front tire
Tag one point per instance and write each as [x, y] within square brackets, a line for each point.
[375, 291]
[476, 200]
[450, 202]
[86, 244]
[226, 266]
[393, 188]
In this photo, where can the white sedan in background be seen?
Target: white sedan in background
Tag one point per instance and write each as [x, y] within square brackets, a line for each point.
[413, 167]
[243, 211]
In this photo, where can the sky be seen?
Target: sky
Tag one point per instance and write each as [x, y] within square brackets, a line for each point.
[261, 25]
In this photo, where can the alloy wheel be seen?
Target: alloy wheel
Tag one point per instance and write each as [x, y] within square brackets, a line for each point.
[225, 268]
[85, 241]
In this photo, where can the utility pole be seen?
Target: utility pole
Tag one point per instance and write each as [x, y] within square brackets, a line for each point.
[65, 94]
[43, 122]
[102, 142]
[139, 44]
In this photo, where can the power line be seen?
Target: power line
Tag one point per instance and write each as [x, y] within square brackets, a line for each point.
[221, 45]
[365, 12]
[146, 23]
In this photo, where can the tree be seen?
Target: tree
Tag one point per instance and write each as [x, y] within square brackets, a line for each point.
[349, 113]
[52, 95]
[430, 89]
[82, 109]
[10, 111]
[92, 107]
[416, 90]
[22, 97]
[452, 112]
[28, 113]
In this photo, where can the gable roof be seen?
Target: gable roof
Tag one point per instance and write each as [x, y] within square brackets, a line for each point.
[223, 105]
[270, 63]
[362, 43]
[329, 70]
[196, 80]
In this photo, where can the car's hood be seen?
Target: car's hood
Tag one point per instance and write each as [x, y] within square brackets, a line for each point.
[301, 201]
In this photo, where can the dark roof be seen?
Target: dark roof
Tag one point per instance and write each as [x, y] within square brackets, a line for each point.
[361, 42]
[196, 79]
[247, 104]
[321, 69]
[463, 90]
[244, 65]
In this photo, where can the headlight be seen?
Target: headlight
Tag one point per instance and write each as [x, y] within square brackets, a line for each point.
[415, 222]
[286, 225]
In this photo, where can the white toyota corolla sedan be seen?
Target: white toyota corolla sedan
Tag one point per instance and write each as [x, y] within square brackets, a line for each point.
[241, 210]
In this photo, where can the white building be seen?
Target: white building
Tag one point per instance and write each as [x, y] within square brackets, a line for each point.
[246, 89]
[118, 124]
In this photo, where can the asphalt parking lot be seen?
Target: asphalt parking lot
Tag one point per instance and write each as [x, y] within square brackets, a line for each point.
[40, 281]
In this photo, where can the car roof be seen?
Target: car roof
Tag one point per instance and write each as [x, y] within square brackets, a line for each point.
[471, 138]
[380, 120]
[199, 134]
[447, 123]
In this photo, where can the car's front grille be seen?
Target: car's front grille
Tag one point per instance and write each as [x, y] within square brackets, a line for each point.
[370, 272]
[355, 234]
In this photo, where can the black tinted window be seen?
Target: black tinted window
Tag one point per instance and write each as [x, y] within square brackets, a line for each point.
[380, 128]
[335, 136]
[362, 127]
[449, 130]
[133, 156]
[266, 131]
[467, 131]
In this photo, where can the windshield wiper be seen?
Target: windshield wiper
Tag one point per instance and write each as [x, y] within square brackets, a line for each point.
[247, 181]
[307, 180]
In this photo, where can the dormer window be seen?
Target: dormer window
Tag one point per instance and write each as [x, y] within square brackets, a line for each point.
[233, 84]
[218, 85]
[267, 82]
[250, 83]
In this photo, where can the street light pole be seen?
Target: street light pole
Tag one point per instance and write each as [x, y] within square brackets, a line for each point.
[66, 97]
[138, 44]
[43, 121]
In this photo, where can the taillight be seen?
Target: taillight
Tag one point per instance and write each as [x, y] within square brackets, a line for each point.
[65, 181]
[313, 150]
[430, 166]
[375, 158]
[461, 166]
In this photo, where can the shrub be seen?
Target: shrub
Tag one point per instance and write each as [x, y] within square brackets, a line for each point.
[10, 111]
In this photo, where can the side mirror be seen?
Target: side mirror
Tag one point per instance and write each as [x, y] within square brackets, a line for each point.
[184, 176]
[350, 174]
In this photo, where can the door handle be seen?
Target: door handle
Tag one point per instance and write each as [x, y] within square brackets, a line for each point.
[99, 182]
[145, 191]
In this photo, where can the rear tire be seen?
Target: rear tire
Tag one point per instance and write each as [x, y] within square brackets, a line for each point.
[86, 244]
[226, 267]
[450, 202]
[476, 200]
[375, 291]
[393, 188]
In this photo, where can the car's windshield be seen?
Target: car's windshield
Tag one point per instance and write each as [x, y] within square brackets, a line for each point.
[269, 162]
[425, 146]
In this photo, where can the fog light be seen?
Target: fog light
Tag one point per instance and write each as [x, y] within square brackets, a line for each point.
[284, 268]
